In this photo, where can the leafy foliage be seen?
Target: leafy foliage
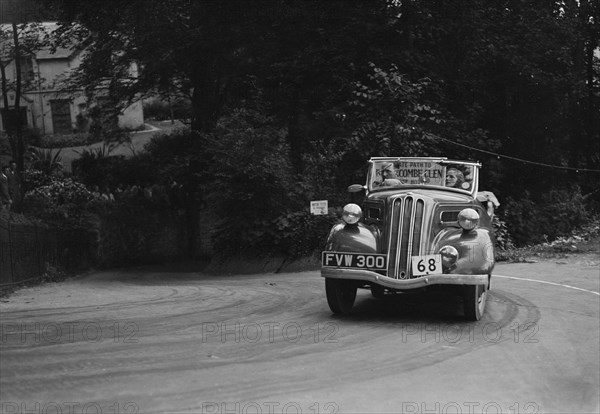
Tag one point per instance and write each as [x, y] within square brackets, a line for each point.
[137, 230]
[61, 200]
[553, 214]
[252, 181]
[571, 242]
[69, 140]
[98, 169]
[301, 234]
[18, 43]
[503, 238]
[31, 37]
[289, 99]
[161, 110]
[33, 179]
[394, 112]
[516, 70]
[60, 192]
[323, 178]
[45, 160]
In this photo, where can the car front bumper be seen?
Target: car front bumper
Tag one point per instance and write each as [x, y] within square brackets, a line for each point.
[415, 283]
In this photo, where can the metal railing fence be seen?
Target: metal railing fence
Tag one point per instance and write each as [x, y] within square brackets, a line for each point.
[28, 252]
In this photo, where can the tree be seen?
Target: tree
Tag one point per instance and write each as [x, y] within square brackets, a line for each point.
[18, 44]
[584, 99]
[300, 58]
[511, 76]
[517, 71]
[194, 49]
[311, 55]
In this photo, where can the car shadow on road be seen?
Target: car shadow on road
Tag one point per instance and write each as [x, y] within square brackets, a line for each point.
[444, 307]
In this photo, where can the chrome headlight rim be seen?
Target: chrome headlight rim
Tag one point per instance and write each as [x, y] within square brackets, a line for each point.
[449, 256]
[468, 219]
[351, 214]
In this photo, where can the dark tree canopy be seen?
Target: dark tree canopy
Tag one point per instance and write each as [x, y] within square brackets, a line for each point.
[512, 77]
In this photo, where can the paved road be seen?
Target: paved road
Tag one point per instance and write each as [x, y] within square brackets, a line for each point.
[169, 339]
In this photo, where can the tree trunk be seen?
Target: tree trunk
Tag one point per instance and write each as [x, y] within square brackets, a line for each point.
[4, 86]
[18, 71]
[294, 138]
[14, 125]
[575, 139]
[592, 121]
[208, 99]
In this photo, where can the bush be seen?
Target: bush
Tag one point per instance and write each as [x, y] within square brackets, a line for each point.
[504, 240]
[33, 178]
[554, 214]
[45, 160]
[252, 180]
[59, 200]
[156, 109]
[98, 168]
[176, 147]
[301, 233]
[65, 140]
[294, 235]
[135, 230]
[160, 110]
[571, 242]
[322, 179]
[565, 210]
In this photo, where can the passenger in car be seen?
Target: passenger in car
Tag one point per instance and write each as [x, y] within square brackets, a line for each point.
[454, 178]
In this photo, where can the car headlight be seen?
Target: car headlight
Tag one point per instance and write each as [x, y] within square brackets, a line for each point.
[352, 213]
[468, 219]
[449, 256]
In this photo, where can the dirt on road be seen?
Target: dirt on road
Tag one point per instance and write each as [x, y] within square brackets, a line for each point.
[174, 339]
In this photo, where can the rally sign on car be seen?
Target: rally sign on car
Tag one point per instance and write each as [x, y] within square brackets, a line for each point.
[427, 265]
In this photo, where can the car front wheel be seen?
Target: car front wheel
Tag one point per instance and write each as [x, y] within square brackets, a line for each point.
[340, 295]
[474, 298]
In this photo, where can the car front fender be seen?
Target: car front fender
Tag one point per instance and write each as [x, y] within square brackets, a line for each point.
[353, 238]
[476, 249]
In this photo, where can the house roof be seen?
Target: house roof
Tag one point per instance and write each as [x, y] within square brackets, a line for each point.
[46, 53]
[60, 52]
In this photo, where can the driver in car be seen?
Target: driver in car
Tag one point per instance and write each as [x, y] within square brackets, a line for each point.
[388, 173]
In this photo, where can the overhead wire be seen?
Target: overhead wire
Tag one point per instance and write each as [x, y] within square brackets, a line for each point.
[499, 156]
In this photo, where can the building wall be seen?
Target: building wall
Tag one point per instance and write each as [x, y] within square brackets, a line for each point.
[38, 102]
[42, 110]
[133, 117]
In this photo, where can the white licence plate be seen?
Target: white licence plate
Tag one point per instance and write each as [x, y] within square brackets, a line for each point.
[427, 265]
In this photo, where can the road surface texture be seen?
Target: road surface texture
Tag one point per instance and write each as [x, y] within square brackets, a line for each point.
[171, 339]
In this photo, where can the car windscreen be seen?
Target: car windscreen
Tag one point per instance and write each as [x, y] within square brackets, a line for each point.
[422, 172]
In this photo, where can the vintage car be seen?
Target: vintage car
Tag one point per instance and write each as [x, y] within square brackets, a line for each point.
[420, 226]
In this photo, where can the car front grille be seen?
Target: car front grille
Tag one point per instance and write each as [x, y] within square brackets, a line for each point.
[404, 235]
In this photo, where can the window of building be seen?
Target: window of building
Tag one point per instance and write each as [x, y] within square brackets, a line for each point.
[27, 74]
[61, 116]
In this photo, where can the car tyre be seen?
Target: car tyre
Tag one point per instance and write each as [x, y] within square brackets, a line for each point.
[474, 299]
[340, 295]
